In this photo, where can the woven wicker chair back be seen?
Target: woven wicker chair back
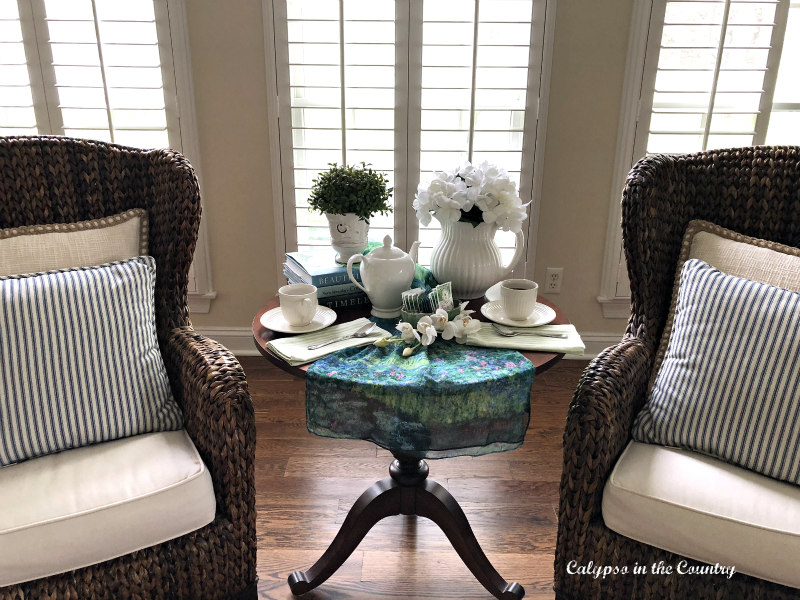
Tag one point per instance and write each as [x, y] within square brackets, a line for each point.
[754, 190]
[48, 179]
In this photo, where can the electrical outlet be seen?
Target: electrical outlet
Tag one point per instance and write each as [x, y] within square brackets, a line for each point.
[553, 279]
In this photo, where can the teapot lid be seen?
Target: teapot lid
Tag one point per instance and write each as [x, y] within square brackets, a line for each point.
[387, 250]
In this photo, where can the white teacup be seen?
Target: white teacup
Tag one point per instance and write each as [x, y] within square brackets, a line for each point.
[518, 297]
[298, 303]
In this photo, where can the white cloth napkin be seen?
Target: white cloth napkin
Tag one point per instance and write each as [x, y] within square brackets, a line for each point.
[294, 350]
[489, 338]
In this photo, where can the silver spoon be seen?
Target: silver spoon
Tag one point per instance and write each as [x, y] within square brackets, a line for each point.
[362, 332]
[506, 332]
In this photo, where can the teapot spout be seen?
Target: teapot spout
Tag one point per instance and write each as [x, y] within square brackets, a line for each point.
[414, 251]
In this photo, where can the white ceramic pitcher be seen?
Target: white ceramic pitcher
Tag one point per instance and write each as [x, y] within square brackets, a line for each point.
[469, 258]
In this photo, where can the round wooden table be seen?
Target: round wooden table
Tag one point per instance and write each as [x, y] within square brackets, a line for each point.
[406, 491]
[262, 336]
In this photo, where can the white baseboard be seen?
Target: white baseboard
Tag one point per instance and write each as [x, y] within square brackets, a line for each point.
[595, 343]
[239, 340]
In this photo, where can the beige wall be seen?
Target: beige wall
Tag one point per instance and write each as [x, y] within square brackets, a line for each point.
[228, 65]
[590, 49]
[227, 56]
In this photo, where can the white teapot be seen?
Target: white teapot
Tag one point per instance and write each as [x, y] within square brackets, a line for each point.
[386, 272]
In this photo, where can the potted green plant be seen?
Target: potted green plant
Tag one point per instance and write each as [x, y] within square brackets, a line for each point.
[349, 196]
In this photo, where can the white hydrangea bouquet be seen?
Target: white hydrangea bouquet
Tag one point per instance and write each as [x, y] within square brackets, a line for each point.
[473, 194]
[429, 327]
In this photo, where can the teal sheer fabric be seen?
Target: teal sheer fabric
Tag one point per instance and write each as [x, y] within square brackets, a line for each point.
[423, 278]
[445, 400]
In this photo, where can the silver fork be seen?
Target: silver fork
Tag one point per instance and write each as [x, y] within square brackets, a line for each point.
[506, 332]
[363, 331]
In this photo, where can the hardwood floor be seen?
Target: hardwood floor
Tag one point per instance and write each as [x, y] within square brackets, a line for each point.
[306, 484]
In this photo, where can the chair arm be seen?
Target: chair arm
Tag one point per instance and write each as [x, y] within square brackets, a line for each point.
[610, 394]
[209, 384]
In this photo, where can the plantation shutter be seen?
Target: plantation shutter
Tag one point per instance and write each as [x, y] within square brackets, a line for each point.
[784, 122]
[17, 115]
[721, 73]
[409, 87]
[479, 91]
[101, 69]
[712, 74]
[95, 69]
[337, 101]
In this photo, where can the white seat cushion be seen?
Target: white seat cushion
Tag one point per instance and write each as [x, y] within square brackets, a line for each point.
[83, 506]
[706, 509]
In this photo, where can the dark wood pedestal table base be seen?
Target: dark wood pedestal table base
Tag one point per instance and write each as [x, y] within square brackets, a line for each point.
[407, 491]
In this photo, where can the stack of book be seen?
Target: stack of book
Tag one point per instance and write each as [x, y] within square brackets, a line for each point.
[319, 267]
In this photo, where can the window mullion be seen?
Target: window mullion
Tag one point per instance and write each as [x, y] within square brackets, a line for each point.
[102, 70]
[40, 67]
[771, 76]
[476, 24]
[717, 65]
[401, 116]
[342, 82]
[414, 108]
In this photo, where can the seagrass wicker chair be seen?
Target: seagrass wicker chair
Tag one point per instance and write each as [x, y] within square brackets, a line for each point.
[60, 180]
[755, 191]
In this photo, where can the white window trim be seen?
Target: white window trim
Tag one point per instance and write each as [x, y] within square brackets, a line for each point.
[274, 138]
[547, 38]
[42, 77]
[201, 289]
[616, 305]
[282, 190]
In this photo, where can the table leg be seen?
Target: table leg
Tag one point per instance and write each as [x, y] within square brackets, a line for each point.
[407, 491]
[438, 505]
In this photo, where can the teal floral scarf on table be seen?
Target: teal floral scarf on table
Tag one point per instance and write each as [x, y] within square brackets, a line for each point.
[445, 400]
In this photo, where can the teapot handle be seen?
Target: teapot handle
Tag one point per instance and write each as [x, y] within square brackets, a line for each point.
[350, 261]
[520, 249]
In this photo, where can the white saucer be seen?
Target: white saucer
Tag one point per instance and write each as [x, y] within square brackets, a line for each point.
[493, 293]
[542, 315]
[274, 320]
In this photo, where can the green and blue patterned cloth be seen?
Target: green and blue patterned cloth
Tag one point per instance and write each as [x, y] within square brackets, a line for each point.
[445, 400]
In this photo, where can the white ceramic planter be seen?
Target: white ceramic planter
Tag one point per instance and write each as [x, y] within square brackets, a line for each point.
[348, 235]
[469, 258]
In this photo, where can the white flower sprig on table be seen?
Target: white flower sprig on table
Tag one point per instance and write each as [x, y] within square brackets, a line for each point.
[460, 327]
[473, 194]
[428, 328]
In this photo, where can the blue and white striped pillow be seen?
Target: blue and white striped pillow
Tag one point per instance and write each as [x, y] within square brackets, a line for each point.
[79, 359]
[729, 385]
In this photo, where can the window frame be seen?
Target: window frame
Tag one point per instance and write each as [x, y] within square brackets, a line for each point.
[174, 51]
[408, 49]
[634, 126]
[616, 305]
[201, 288]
